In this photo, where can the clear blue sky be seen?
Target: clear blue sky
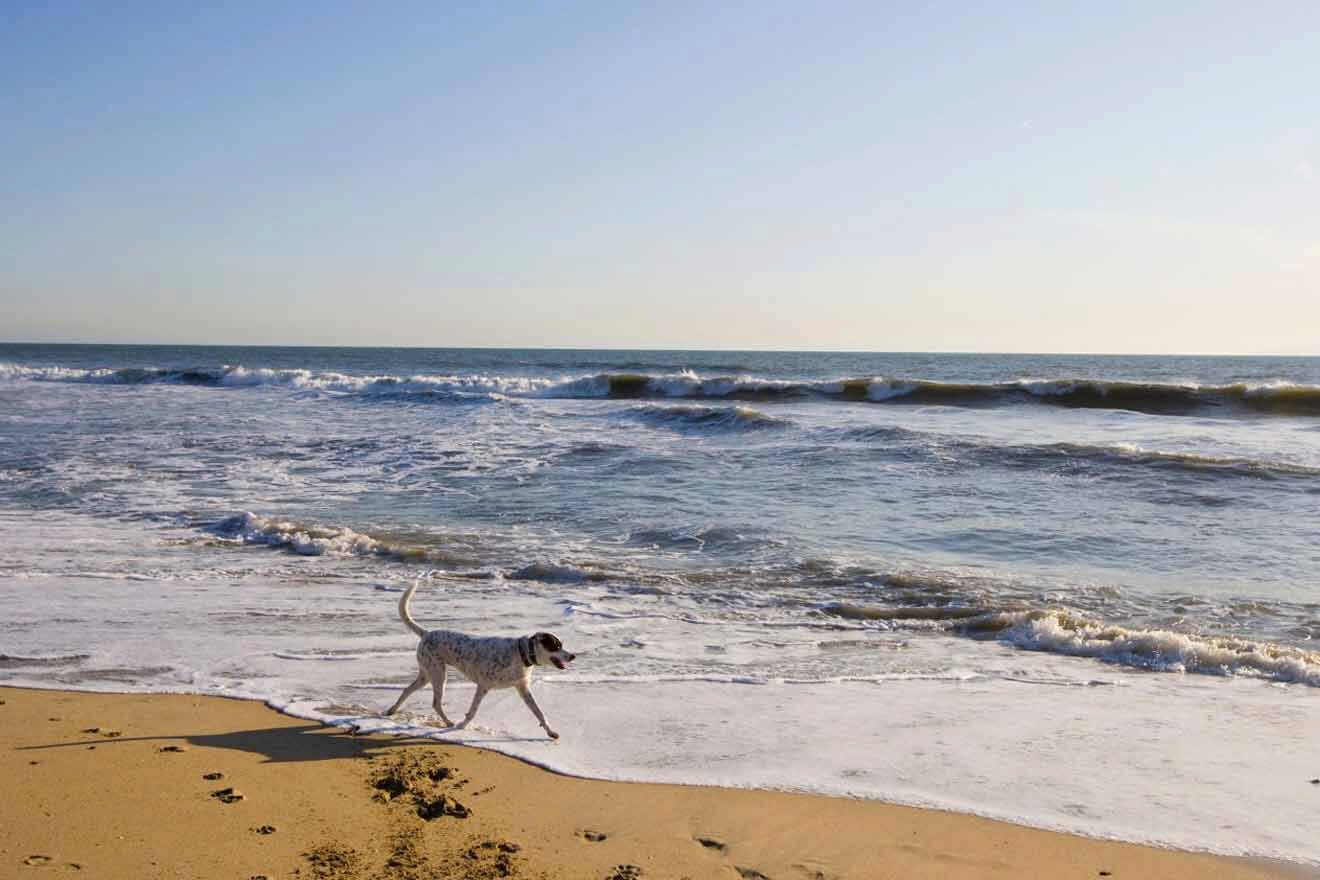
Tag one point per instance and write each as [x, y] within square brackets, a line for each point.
[1025, 176]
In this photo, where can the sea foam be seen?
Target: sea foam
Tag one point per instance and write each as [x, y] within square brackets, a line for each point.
[1060, 631]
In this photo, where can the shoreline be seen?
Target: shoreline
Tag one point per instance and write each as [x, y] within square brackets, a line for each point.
[113, 783]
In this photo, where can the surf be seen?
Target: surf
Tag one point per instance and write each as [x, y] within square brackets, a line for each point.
[1269, 398]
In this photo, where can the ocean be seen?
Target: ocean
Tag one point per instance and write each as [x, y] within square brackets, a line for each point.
[1077, 592]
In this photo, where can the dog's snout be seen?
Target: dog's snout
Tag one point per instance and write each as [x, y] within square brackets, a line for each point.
[572, 657]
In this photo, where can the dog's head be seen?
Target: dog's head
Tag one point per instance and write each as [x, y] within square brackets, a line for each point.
[550, 650]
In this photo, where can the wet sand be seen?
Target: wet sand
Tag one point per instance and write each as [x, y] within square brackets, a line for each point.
[144, 786]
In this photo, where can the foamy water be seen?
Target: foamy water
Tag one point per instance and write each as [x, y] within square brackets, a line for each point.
[1077, 593]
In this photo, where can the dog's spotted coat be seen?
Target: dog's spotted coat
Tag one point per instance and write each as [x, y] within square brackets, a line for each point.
[489, 662]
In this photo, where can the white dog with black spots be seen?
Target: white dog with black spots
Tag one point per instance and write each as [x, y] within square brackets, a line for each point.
[490, 662]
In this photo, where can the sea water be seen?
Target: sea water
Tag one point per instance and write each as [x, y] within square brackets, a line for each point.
[1077, 592]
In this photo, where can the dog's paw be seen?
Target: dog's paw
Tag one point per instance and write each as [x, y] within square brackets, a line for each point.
[552, 734]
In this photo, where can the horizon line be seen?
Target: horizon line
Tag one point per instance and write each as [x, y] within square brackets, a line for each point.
[955, 352]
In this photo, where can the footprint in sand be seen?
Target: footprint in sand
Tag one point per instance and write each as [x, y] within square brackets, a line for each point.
[441, 806]
[227, 795]
[493, 858]
[172, 749]
[712, 843]
[749, 873]
[37, 860]
[625, 872]
[265, 829]
[594, 836]
[111, 733]
[216, 775]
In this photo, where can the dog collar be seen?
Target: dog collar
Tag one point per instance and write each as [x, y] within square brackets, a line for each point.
[526, 652]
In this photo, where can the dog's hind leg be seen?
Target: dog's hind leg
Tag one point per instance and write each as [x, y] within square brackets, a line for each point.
[438, 697]
[526, 694]
[472, 710]
[408, 692]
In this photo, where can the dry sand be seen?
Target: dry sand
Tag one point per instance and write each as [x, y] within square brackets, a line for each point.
[136, 786]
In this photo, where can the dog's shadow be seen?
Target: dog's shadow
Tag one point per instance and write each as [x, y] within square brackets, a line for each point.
[302, 742]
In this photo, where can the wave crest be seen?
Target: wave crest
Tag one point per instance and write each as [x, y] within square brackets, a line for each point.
[1061, 631]
[306, 539]
[1271, 398]
[420, 386]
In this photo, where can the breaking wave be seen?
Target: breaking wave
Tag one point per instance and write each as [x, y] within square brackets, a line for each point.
[449, 387]
[1145, 397]
[1153, 398]
[1273, 398]
[1061, 631]
[307, 539]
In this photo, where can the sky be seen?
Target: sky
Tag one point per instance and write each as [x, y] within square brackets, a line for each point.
[1100, 177]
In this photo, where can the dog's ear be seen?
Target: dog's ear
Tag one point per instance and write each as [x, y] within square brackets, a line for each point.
[549, 642]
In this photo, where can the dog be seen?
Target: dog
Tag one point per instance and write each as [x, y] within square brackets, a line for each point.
[489, 663]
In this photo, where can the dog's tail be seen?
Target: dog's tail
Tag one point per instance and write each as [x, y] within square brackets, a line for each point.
[404, 615]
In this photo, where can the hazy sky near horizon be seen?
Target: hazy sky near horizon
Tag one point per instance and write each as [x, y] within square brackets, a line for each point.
[1118, 177]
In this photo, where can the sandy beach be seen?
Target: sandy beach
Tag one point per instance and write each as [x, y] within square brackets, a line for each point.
[110, 785]
[870, 441]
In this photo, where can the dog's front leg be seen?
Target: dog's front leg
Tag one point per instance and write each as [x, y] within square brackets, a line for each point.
[407, 692]
[526, 693]
[438, 698]
[472, 710]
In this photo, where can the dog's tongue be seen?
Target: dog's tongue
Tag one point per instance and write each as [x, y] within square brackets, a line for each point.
[559, 664]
